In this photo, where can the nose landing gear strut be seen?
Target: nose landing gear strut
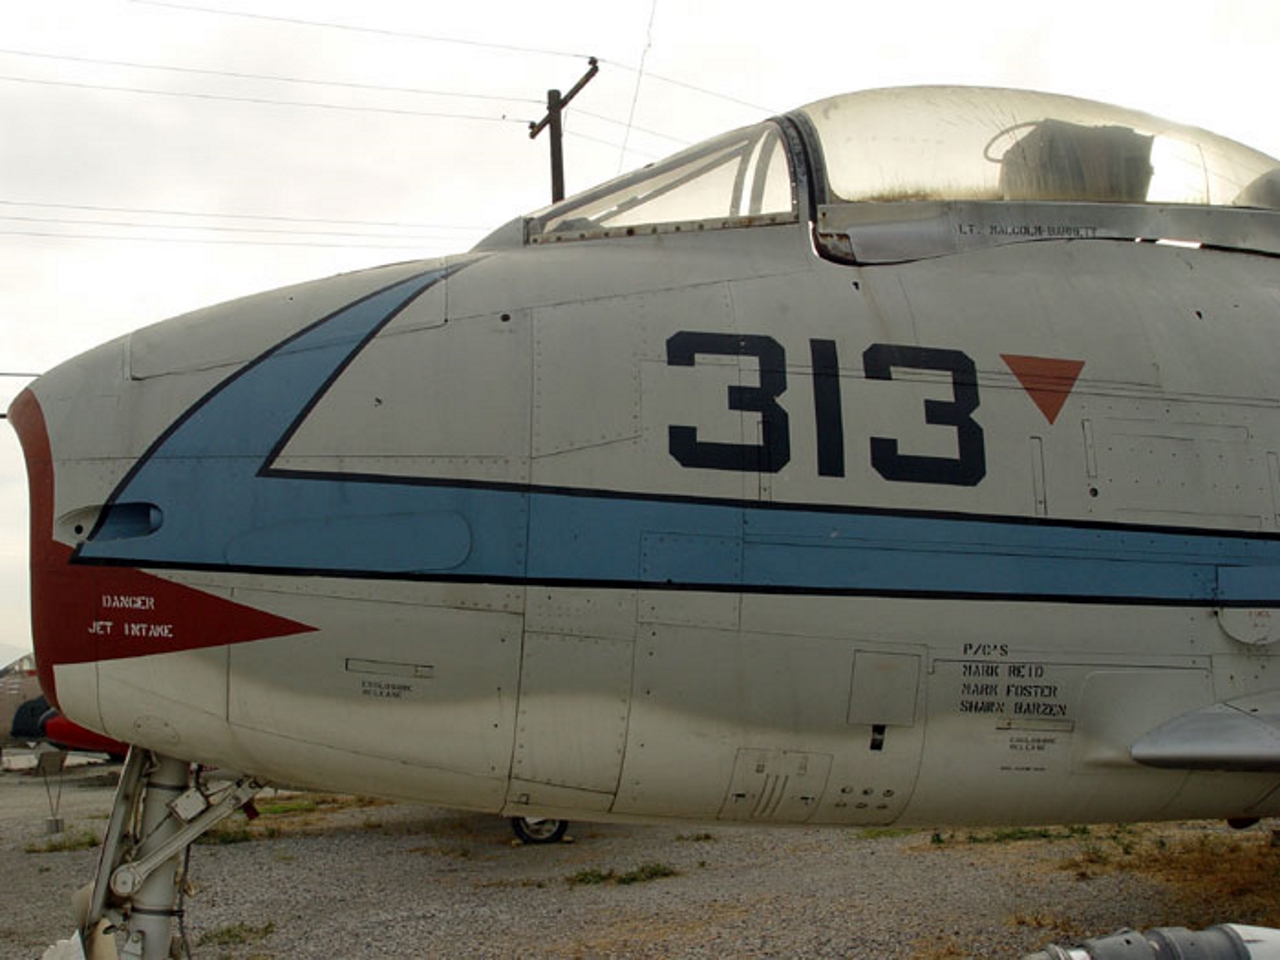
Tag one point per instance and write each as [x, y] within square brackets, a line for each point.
[161, 807]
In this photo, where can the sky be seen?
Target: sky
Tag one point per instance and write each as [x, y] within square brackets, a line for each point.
[157, 156]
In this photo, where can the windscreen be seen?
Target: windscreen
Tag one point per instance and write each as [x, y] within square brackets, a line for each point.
[726, 181]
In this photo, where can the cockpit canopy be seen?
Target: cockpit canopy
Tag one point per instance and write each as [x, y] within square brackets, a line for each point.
[917, 144]
[980, 143]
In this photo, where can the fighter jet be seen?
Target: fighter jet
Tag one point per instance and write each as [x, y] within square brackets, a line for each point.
[18, 687]
[910, 458]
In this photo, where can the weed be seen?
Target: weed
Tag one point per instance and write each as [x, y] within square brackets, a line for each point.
[236, 935]
[884, 833]
[1093, 860]
[641, 874]
[226, 833]
[648, 871]
[71, 840]
[1018, 834]
[703, 837]
[287, 815]
[1096, 854]
[1124, 837]
[939, 948]
[1217, 877]
[282, 807]
[589, 877]
[1041, 920]
[1029, 920]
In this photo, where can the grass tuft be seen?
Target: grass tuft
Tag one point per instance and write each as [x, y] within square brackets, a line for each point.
[589, 877]
[225, 833]
[1018, 834]
[305, 804]
[81, 839]
[641, 874]
[884, 833]
[236, 935]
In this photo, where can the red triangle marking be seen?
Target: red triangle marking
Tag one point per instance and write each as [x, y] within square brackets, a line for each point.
[1047, 381]
[83, 613]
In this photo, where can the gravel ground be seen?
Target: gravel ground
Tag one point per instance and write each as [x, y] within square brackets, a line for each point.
[355, 879]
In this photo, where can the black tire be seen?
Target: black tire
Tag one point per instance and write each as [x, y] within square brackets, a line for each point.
[539, 829]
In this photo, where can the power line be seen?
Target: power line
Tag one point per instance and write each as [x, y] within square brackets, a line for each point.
[234, 216]
[353, 28]
[174, 226]
[610, 143]
[269, 77]
[243, 243]
[767, 111]
[635, 94]
[622, 123]
[266, 100]
[510, 48]
[275, 78]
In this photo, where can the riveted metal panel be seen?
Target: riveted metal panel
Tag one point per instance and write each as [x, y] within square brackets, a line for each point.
[884, 688]
[571, 725]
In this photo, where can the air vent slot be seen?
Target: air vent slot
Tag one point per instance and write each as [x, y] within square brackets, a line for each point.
[128, 521]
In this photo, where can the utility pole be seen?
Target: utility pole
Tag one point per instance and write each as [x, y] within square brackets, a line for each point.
[555, 106]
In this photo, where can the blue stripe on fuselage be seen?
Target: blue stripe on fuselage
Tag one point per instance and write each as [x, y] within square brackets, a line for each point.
[223, 506]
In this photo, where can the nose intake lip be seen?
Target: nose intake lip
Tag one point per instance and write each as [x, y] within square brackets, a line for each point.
[47, 555]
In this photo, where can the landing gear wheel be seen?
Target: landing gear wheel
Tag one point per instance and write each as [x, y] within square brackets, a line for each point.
[539, 829]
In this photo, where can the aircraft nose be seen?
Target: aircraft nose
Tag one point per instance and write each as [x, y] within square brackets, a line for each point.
[88, 614]
[83, 428]
[129, 448]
